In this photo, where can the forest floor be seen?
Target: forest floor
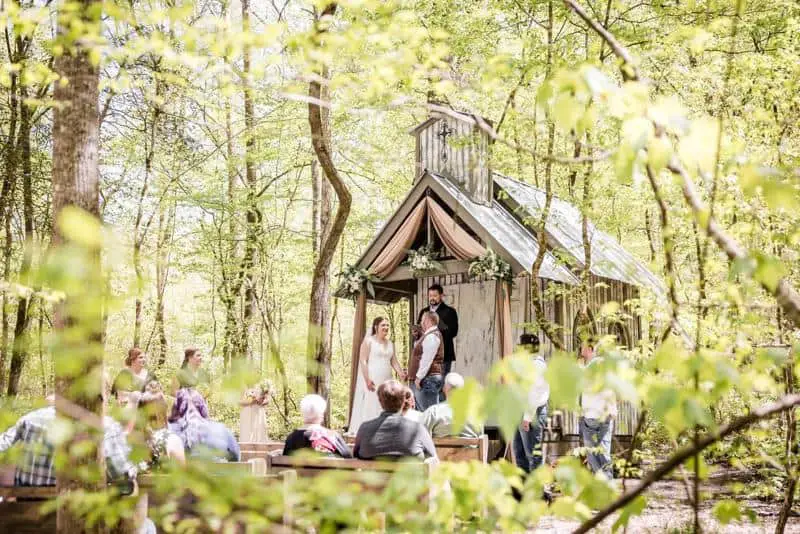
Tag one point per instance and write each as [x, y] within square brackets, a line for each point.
[668, 511]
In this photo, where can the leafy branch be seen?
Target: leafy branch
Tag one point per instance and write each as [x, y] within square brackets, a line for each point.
[783, 291]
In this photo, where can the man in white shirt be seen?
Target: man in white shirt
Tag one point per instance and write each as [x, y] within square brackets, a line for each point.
[427, 363]
[599, 408]
[528, 437]
[438, 419]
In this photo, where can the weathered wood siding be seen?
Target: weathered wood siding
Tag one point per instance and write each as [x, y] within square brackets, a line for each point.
[476, 347]
[467, 156]
[562, 310]
[476, 344]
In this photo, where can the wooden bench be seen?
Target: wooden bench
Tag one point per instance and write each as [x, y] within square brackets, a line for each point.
[310, 466]
[456, 449]
[22, 515]
[251, 450]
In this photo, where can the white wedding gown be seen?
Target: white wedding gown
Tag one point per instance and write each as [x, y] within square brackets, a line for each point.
[379, 366]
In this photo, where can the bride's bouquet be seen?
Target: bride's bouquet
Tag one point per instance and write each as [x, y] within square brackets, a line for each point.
[259, 394]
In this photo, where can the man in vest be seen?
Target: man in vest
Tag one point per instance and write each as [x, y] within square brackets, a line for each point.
[448, 324]
[426, 365]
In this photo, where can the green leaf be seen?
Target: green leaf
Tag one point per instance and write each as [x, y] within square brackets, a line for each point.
[769, 270]
[566, 112]
[727, 511]
[467, 403]
[634, 508]
[565, 377]
[80, 227]
[505, 404]
[637, 133]
[623, 164]
[659, 152]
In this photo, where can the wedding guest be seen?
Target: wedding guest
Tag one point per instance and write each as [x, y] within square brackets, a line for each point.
[133, 377]
[409, 410]
[438, 419]
[391, 435]
[153, 422]
[312, 436]
[191, 374]
[427, 363]
[529, 434]
[35, 467]
[253, 414]
[201, 436]
[596, 425]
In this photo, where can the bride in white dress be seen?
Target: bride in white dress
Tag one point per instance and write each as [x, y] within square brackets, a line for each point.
[375, 363]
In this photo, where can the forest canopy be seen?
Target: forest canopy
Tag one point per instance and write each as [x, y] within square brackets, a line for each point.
[206, 173]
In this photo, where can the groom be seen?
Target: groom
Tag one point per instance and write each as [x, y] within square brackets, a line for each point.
[426, 365]
[448, 323]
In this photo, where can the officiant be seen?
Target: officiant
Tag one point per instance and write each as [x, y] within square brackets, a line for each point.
[448, 323]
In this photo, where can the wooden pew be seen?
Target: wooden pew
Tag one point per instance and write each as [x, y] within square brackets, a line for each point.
[456, 449]
[371, 475]
[310, 466]
[252, 450]
[22, 515]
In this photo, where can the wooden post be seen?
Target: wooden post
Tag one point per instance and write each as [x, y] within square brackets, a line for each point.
[359, 330]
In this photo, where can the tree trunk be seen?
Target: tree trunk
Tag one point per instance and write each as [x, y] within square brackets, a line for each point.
[550, 330]
[164, 242]
[6, 201]
[318, 357]
[20, 350]
[253, 218]
[76, 184]
[5, 323]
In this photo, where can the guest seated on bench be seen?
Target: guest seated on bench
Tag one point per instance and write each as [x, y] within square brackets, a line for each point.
[35, 465]
[438, 419]
[410, 407]
[152, 421]
[201, 436]
[312, 436]
[391, 435]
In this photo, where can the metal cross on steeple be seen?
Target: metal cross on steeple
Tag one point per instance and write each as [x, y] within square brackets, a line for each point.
[444, 132]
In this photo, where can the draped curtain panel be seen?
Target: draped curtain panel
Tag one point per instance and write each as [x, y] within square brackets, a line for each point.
[458, 241]
[395, 250]
[503, 318]
[359, 331]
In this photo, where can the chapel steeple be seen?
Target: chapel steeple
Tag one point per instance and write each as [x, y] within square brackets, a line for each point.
[453, 145]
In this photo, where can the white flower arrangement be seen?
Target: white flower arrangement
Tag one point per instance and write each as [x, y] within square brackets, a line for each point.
[353, 279]
[423, 261]
[490, 266]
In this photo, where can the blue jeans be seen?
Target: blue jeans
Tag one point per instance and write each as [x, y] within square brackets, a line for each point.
[428, 395]
[596, 436]
[528, 445]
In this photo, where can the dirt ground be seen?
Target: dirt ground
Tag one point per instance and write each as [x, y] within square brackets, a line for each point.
[668, 511]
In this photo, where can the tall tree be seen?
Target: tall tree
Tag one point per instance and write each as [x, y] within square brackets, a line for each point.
[253, 215]
[318, 355]
[76, 185]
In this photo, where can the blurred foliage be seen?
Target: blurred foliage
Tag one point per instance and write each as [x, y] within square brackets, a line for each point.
[172, 137]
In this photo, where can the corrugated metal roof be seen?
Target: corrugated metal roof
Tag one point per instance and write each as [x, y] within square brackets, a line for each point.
[509, 233]
[564, 229]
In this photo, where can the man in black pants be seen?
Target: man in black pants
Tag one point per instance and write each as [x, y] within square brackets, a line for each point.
[448, 324]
